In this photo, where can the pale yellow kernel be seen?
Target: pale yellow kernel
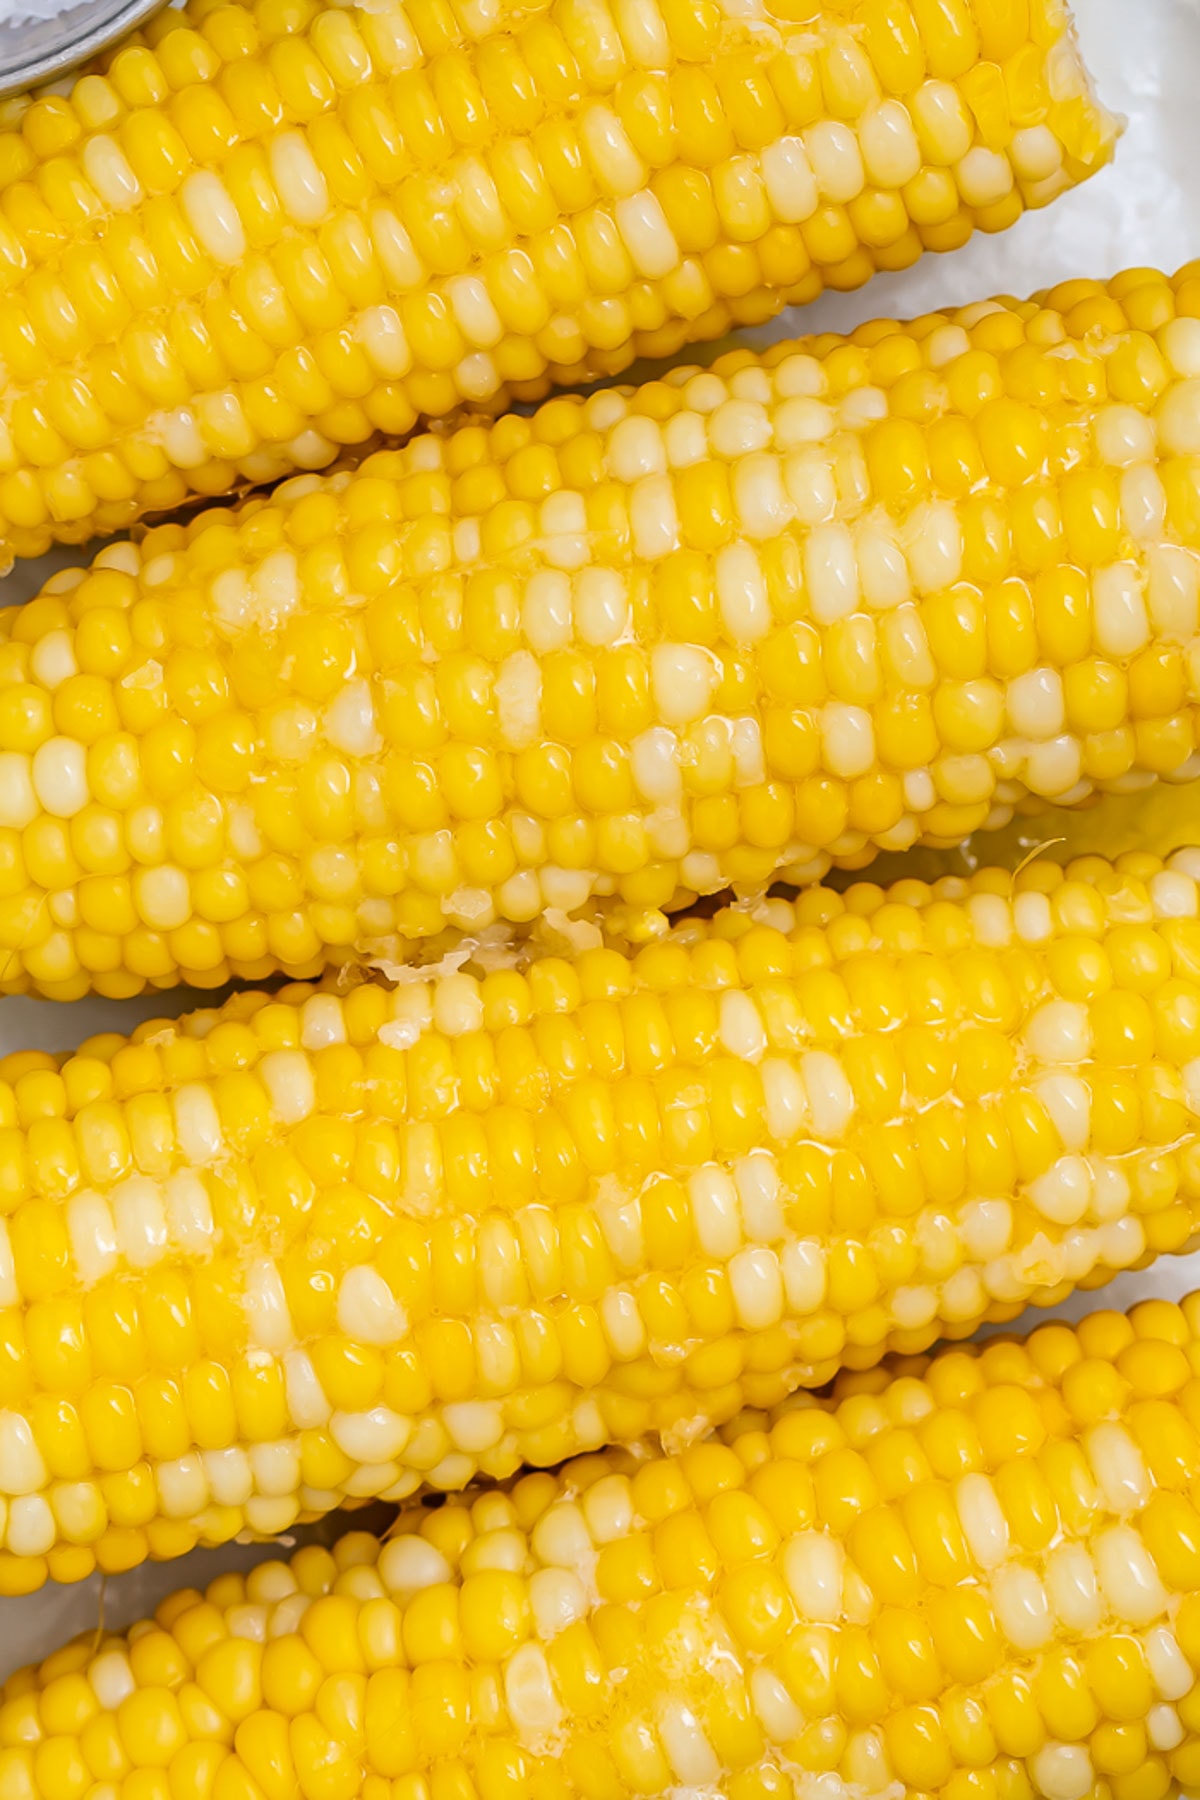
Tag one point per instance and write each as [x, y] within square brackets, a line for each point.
[189, 1210]
[1062, 1771]
[59, 776]
[812, 1565]
[836, 160]
[984, 176]
[742, 594]
[31, 1529]
[890, 151]
[691, 1756]
[287, 1076]
[297, 176]
[52, 659]
[529, 1690]
[683, 678]
[848, 739]
[1118, 1466]
[1036, 153]
[373, 1437]
[653, 517]
[756, 1284]
[557, 1598]
[267, 1314]
[1063, 1193]
[1022, 1609]
[805, 1277]
[162, 897]
[831, 573]
[19, 800]
[830, 1095]
[647, 235]
[1128, 1576]
[1179, 341]
[1072, 1587]
[307, 1403]
[1178, 417]
[601, 606]
[141, 1221]
[197, 1124]
[982, 1519]
[1169, 1667]
[1122, 627]
[1059, 1032]
[777, 1712]
[212, 215]
[108, 169]
[1068, 1100]
[22, 1470]
[789, 180]
[407, 1564]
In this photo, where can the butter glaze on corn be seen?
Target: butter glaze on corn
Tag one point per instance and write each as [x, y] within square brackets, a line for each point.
[728, 626]
[309, 1247]
[270, 230]
[976, 1580]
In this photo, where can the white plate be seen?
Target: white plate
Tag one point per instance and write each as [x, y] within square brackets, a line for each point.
[1145, 209]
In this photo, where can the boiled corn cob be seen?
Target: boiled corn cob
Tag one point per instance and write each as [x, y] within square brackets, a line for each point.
[320, 1245]
[266, 231]
[734, 624]
[979, 1580]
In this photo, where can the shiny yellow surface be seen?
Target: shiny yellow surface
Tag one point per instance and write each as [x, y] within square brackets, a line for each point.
[1158, 820]
[730, 626]
[315, 1247]
[977, 1579]
[265, 231]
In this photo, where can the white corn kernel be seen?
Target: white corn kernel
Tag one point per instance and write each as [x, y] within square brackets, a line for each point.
[410, 1563]
[1072, 1587]
[1062, 1771]
[756, 1285]
[1118, 1466]
[982, 1519]
[1128, 1576]
[367, 1310]
[211, 213]
[813, 1567]
[288, 1077]
[59, 776]
[1022, 1608]
[298, 178]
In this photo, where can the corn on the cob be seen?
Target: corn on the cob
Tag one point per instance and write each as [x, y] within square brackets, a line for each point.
[980, 1581]
[269, 230]
[641, 645]
[317, 1245]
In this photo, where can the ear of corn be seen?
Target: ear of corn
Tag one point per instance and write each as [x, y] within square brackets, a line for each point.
[732, 625]
[317, 1246]
[978, 1580]
[263, 232]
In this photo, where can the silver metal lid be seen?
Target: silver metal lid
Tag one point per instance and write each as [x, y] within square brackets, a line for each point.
[40, 50]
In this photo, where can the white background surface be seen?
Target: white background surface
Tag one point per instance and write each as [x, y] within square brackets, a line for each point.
[1145, 209]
